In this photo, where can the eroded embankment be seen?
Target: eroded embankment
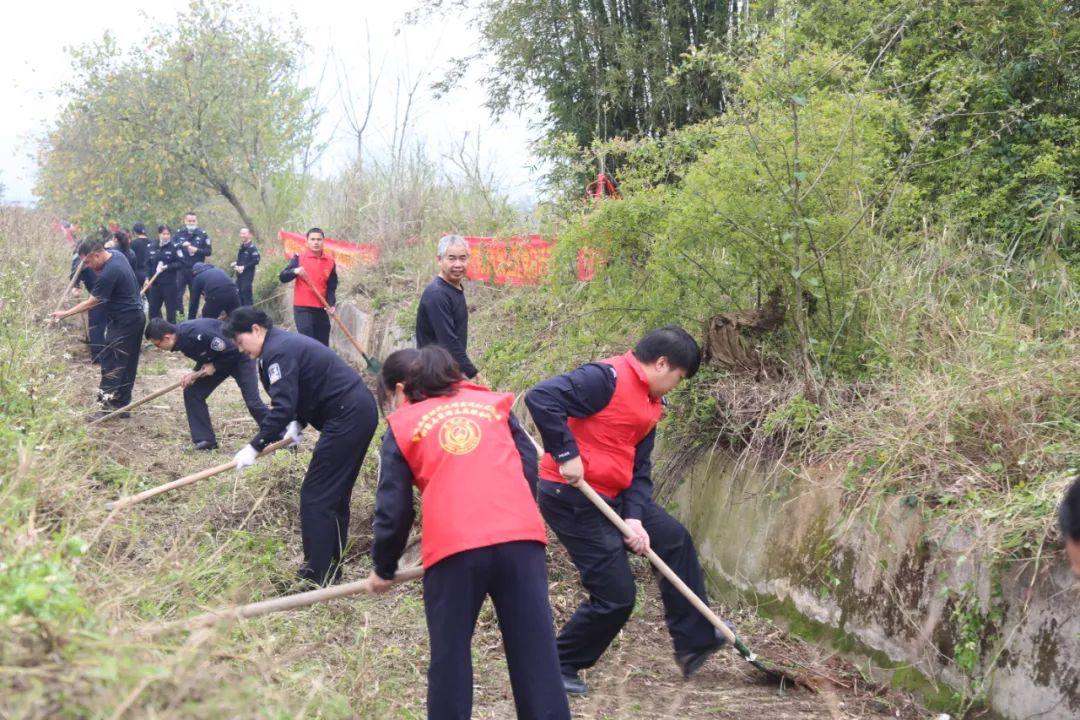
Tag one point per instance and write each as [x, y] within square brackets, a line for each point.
[909, 592]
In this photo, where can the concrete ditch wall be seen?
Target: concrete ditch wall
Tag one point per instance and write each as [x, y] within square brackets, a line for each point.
[914, 600]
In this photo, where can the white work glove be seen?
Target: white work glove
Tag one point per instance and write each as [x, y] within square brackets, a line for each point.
[293, 432]
[160, 267]
[246, 457]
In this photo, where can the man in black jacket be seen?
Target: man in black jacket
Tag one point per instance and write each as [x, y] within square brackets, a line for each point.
[221, 293]
[247, 257]
[116, 288]
[216, 358]
[443, 316]
[195, 244]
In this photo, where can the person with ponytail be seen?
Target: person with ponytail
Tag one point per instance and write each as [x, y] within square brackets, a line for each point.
[309, 384]
[476, 470]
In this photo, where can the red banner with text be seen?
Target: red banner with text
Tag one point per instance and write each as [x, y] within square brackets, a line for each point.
[520, 260]
[345, 253]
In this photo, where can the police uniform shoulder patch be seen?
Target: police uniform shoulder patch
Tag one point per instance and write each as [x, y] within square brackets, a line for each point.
[274, 373]
[217, 344]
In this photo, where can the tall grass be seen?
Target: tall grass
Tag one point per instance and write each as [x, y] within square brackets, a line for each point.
[76, 586]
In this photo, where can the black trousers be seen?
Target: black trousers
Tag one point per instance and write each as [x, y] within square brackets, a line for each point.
[195, 395]
[221, 302]
[245, 283]
[96, 320]
[596, 547]
[163, 293]
[514, 574]
[328, 483]
[184, 277]
[313, 322]
[120, 359]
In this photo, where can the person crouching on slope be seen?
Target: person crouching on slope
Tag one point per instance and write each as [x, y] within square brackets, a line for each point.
[482, 533]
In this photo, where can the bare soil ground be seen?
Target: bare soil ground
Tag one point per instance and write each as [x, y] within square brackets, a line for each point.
[235, 538]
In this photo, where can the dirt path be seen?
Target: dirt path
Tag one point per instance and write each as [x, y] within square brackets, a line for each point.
[235, 538]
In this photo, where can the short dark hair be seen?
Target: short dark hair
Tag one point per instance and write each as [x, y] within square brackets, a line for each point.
[163, 228]
[158, 328]
[88, 247]
[314, 230]
[243, 318]
[190, 212]
[674, 343]
[426, 373]
[1069, 512]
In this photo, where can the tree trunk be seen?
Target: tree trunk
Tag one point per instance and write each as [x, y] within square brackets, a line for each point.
[226, 192]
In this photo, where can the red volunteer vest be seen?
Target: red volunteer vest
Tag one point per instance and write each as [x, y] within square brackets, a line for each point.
[608, 440]
[318, 273]
[463, 459]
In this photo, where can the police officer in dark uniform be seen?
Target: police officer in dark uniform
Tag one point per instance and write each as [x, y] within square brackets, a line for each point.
[140, 245]
[309, 384]
[195, 246]
[216, 358]
[222, 295]
[598, 423]
[163, 260]
[97, 317]
[116, 288]
[482, 534]
[247, 258]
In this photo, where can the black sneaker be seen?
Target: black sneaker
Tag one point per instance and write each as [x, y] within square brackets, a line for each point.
[691, 662]
[205, 445]
[573, 684]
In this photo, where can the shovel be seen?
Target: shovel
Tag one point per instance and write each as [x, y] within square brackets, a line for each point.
[373, 365]
[781, 677]
[130, 500]
[71, 284]
[137, 403]
[288, 602]
[148, 283]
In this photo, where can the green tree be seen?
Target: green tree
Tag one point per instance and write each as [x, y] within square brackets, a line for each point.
[603, 68]
[998, 83]
[214, 110]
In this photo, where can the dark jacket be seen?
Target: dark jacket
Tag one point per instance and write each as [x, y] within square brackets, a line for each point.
[198, 239]
[306, 381]
[213, 282]
[248, 257]
[443, 319]
[169, 253]
[204, 341]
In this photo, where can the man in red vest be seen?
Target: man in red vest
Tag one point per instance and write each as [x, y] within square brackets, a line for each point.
[598, 424]
[315, 269]
[475, 467]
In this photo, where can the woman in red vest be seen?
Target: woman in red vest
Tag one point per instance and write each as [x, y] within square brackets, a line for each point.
[475, 468]
[312, 268]
[598, 423]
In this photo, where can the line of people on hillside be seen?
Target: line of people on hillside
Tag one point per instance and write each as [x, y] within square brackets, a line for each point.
[484, 490]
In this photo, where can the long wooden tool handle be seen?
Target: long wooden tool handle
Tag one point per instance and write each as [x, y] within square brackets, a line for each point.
[71, 284]
[289, 602]
[137, 403]
[326, 306]
[659, 564]
[188, 480]
[146, 285]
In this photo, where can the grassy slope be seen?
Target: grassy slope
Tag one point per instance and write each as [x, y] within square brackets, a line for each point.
[76, 585]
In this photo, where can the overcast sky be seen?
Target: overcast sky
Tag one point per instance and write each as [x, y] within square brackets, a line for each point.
[34, 65]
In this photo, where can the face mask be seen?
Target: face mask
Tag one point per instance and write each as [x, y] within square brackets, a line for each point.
[191, 228]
